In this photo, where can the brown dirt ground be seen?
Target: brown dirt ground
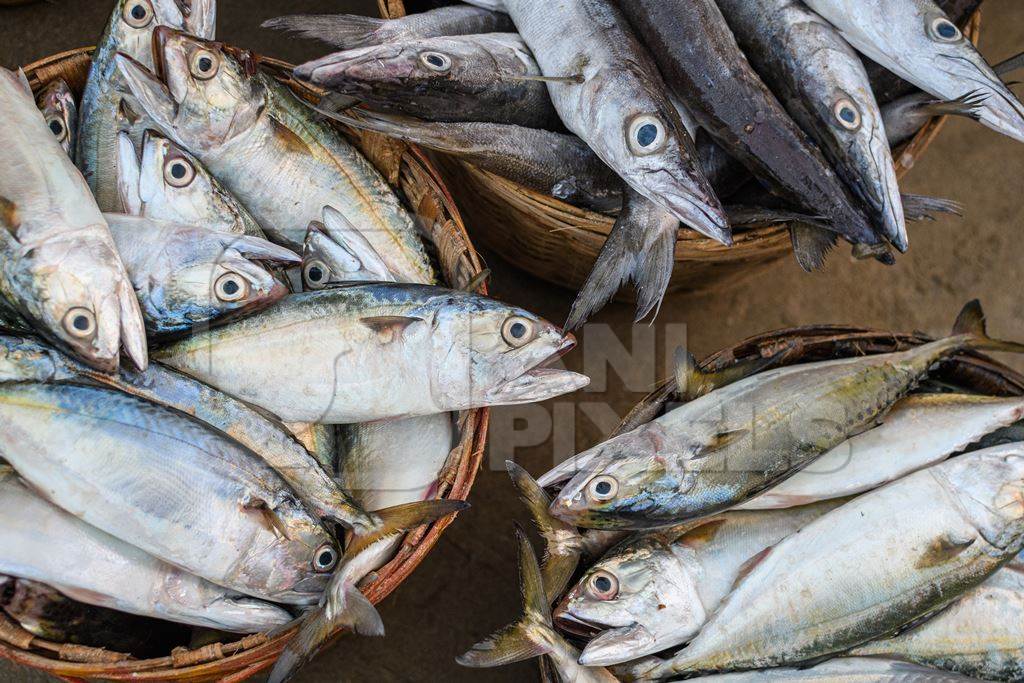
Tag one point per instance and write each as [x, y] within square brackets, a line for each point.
[467, 587]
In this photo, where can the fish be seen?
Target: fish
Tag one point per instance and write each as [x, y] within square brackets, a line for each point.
[730, 444]
[172, 486]
[656, 590]
[337, 348]
[349, 31]
[44, 543]
[490, 78]
[832, 587]
[534, 635]
[102, 112]
[708, 72]
[57, 103]
[919, 431]
[917, 41]
[866, 669]
[335, 253]
[169, 184]
[187, 276]
[59, 268]
[822, 83]
[980, 635]
[268, 149]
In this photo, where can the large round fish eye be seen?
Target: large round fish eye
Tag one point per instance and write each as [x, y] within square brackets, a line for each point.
[646, 134]
[518, 331]
[231, 287]
[204, 64]
[179, 172]
[944, 30]
[80, 323]
[603, 585]
[602, 488]
[58, 129]
[138, 13]
[847, 114]
[436, 61]
[325, 558]
[316, 273]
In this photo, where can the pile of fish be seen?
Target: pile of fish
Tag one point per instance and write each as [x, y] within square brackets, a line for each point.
[713, 114]
[296, 367]
[851, 519]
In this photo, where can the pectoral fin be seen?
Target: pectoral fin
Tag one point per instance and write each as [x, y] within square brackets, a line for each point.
[389, 327]
[942, 550]
[9, 218]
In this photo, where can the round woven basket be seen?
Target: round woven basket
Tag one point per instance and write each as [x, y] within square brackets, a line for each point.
[559, 242]
[423, 192]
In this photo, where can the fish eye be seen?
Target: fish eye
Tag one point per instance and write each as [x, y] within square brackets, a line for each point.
[603, 585]
[231, 287]
[57, 128]
[518, 331]
[80, 323]
[138, 13]
[847, 114]
[204, 64]
[646, 134]
[325, 558]
[179, 172]
[944, 30]
[602, 487]
[316, 274]
[436, 61]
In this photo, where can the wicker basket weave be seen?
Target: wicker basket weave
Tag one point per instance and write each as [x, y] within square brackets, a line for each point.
[559, 242]
[419, 184]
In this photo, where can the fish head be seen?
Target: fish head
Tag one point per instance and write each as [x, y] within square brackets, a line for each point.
[175, 181]
[641, 597]
[133, 23]
[57, 103]
[335, 252]
[990, 487]
[489, 353]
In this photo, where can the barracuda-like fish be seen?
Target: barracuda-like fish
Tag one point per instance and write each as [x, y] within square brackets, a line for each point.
[657, 590]
[349, 31]
[491, 78]
[169, 184]
[832, 587]
[823, 84]
[57, 103]
[59, 267]
[846, 669]
[725, 447]
[917, 41]
[129, 31]
[335, 253]
[269, 150]
[980, 635]
[187, 276]
[919, 431]
[337, 348]
[172, 486]
[43, 543]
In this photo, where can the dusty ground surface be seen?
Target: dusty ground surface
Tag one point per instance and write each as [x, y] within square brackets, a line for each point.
[467, 587]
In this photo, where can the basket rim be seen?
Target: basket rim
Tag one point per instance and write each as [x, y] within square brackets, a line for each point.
[417, 544]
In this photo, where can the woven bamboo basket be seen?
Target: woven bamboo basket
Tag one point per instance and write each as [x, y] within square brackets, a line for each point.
[423, 191]
[559, 243]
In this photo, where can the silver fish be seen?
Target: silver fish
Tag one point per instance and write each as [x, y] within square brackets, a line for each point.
[917, 41]
[188, 276]
[60, 268]
[44, 543]
[101, 115]
[847, 669]
[831, 587]
[270, 151]
[172, 486]
[57, 103]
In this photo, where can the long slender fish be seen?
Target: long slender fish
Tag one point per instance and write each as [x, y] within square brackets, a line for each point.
[44, 543]
[171, 486]
[823, 84]
[59, 269]
[849, 669]
[344, 350]
[269, 149]
[491, 78]
[101, 114]
[57, 103]
[348, 31]
[917, 41]
[726, 446]
[832, 587]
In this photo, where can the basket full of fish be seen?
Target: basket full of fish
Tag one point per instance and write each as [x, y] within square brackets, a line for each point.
[246, 356]
[816, 504]
[677, 145]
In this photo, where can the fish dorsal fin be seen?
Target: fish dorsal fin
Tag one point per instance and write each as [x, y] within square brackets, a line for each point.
[971, 320]
[9, 215]
[747, 567]
[693, 381]
[389, 327]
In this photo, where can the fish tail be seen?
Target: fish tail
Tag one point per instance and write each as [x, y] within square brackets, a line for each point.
[970, 326]
[564, 545]
[918, 207]
[345, 31]
[401, 518]
[531, 636]
[811, 245]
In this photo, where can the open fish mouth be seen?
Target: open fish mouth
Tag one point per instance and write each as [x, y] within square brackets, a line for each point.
[570, 623]
[1000, 109]
[540, 382]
